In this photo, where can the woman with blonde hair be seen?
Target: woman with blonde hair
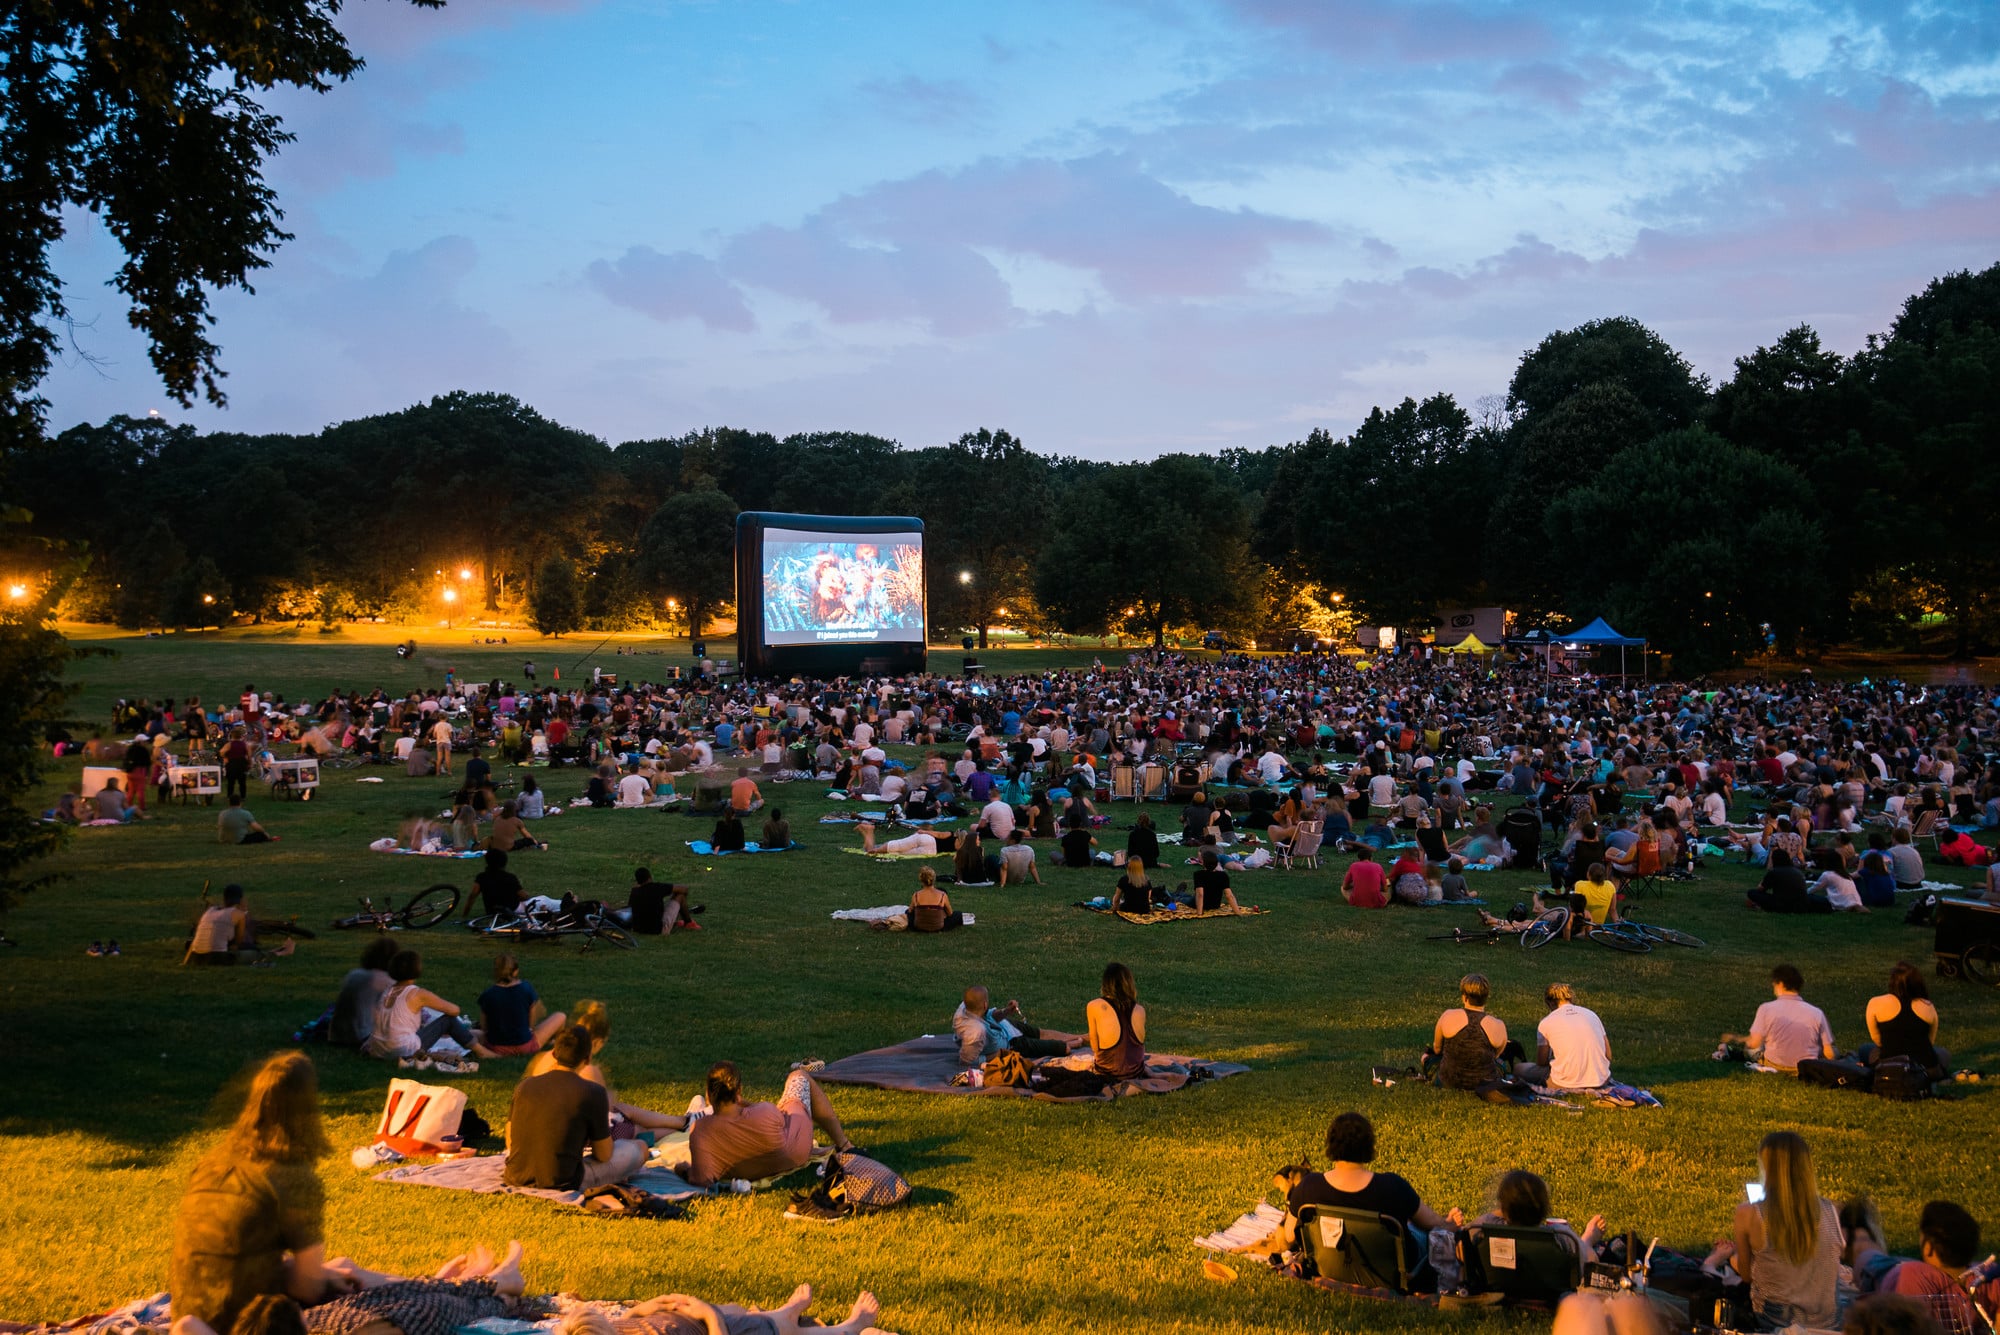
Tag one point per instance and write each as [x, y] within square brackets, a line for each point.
[1787, 1245]
[252, 1218]
[596, 1021]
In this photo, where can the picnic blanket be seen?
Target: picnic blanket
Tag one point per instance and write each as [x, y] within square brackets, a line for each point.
[378, 847]
[884, 913]
[482, 1176]
[1169, 915]
[704, 849]
[141, 1314]
[1247, 1231]
[926, 1065]
[881, 818]
[893, 857]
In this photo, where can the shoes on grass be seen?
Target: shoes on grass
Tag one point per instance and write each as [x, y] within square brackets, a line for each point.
[96, 949]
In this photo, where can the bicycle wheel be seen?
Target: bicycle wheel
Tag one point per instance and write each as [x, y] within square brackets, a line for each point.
[361, 920]
[1545, 928]
[1982, 964]
[1671, 936]
[1619, 936]
[611, 934]
[431, 907]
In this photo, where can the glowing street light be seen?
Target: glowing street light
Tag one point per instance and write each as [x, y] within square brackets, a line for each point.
[18, 592]
[464, 572]
[965, 577]
[451, 595]
[208, 600]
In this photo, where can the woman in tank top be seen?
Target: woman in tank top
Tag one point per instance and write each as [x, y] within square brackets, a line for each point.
[1117, 1026]
[1903, 1023]
[1469, 1043]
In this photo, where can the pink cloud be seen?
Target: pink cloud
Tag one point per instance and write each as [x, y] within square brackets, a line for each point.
[947, 286]
[683, 285]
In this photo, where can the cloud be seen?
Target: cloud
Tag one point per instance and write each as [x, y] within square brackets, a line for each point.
[1142, 238]
[1542, 81]
[948, 286]
[1420, 32]
[942, 103]
[679, 286]
[396, 28]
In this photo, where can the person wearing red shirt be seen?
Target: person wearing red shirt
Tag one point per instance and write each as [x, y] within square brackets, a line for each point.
[1364, 882]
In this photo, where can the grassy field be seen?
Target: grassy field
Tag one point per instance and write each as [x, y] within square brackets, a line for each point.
[1027, 1216]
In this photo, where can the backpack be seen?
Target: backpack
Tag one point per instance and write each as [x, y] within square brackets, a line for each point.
[1835, 1074]
[1901, 1079]
[862, 1184]
[1923, 913]
[1008, 1068]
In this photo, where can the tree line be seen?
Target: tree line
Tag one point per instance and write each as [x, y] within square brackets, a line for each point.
[1810, 499]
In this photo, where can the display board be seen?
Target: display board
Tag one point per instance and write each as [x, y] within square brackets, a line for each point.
[830, 594]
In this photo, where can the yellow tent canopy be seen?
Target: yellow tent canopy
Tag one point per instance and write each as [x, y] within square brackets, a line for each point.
[1471, 644]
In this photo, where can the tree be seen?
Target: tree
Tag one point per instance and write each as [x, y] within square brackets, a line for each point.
[146, 113]
[555, 604]
[33, 655]
[1699, 571]
[688, 551]
[1145, 547]
[985, 499]
[1619, 350]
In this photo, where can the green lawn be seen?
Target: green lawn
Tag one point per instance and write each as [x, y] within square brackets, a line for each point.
[1027, 1216]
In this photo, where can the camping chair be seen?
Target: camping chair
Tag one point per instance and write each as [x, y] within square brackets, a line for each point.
[1523, 833]
[1152, 782]
[1925, 828]
[1521, 1264]
[1304, 847]
[1359, 1247]
[1123, 782]
[1189, 776]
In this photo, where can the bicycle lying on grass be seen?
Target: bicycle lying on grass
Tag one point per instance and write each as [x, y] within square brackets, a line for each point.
[1631, 938]
[528, 925]
[425, 909]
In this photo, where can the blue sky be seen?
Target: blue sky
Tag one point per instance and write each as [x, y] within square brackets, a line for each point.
[1114, 228]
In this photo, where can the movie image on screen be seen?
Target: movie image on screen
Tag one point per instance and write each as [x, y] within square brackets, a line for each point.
[842, 588]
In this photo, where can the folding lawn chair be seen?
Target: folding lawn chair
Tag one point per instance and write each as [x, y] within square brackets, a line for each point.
[1359, 1247]
[1521, 1264]
[1304, 847]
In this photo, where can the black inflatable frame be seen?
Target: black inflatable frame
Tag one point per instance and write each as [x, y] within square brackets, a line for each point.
[814, 660]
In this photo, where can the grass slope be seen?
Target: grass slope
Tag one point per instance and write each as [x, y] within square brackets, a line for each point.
[1028, 1216]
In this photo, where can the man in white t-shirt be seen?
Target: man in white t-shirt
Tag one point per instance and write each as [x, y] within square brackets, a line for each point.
[998, 819]
[864, 733]
[1572, 1051]
[1788, 1029]
[634, 791]
[703, 755]
[1382, 790]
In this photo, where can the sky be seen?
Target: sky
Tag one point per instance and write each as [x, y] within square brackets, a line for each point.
[1115, 228]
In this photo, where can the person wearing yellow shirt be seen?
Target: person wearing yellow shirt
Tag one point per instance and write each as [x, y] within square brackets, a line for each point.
[1594, 897]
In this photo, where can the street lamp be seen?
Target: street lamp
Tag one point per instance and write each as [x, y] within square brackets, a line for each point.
[464, 572]
[208, 600]
[965, 577]
[450, 597]
[18, 592]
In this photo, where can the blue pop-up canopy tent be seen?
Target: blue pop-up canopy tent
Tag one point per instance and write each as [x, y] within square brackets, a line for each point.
[1599, 635]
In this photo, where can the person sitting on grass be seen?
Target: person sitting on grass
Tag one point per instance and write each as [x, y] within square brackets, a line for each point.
[353, 1018]
[498, 890]
[1787, 1030]
[510, 833]
[969, 863]
[978, 1027]
[1469, 1047]
[728, 836]
[1352, 1185]
[596, 1021]
[1077, 843]
[513, 1021]
[1363, 884]
[1837, 891]
[111, 804]
[758, 1140]
[1783, 889]
[559, 1114]
[1522, 1201]
[1905, 861]
[1211, 885]
[251, 1220]
[1115, 1024]
[1944, 1280]
[225, 935]
[400, 1029]
[1571, 1049]
[744, 794]
[1903, 1022]
[930, 907]
[921, 844]
[678, 1314]
[1785, 1246]
[1017, 861]
[234, 825]
[1875, 882]
[777, 832]
[1134, 893]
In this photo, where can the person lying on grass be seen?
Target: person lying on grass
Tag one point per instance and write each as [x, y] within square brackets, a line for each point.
[556, 1116]
[225, 935]
[467, 1289]
[678, 1314]
[596, 1021]
[923, 843]
[758, 1140]
[978, 1027]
